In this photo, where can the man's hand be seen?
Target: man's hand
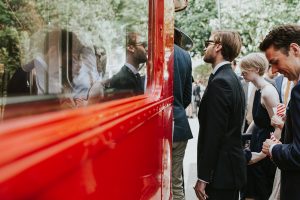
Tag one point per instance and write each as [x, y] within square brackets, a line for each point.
[267, 144]
[277, 121]
[200, 190]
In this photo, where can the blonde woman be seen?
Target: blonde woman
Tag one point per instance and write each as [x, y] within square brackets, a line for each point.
[261, 170]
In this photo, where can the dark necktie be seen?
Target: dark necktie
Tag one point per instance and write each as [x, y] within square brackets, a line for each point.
[139, 81]
[211, 76]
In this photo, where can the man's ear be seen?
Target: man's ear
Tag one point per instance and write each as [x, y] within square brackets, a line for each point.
[218, 47]
[130, 48]
[295, 49]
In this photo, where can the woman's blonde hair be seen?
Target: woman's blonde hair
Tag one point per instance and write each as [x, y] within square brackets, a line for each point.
[256, 61]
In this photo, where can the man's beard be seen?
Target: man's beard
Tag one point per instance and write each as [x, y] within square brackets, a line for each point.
[208, 59]
[142, 59]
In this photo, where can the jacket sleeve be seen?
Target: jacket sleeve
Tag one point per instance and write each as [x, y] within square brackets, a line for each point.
[218, 106]
[187, 93]
[287, 156]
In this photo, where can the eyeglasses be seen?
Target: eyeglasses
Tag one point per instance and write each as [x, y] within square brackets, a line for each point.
[208, 42]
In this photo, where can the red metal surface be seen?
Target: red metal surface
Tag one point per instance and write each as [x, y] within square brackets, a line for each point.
[115, 150]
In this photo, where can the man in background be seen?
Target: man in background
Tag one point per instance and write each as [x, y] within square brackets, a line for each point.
[182, 98]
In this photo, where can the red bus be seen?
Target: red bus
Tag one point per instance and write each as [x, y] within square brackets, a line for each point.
[59, 143]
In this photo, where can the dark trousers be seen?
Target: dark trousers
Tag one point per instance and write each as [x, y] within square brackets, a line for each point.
[222, 194]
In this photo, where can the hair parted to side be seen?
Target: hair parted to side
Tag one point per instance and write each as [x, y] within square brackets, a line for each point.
[281, 37]
[231, 43]
[255, 61]
[132, 38]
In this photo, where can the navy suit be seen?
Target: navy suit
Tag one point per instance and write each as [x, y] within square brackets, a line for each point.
[287, 155]
[182, 132]
[221, 160]
[182, 94]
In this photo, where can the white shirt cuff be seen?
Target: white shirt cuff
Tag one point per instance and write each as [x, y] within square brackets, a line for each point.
[202, 180]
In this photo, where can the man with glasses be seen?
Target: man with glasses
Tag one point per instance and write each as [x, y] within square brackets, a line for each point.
[221, 164]
[128, 78]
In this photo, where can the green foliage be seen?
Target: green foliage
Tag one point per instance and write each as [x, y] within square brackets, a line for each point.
[251, 18]
[10, 49]
[24, 19]
[6, 17]
[202, 72]
[195, 22]
[88, 19]
[10, 26]
[255, 19]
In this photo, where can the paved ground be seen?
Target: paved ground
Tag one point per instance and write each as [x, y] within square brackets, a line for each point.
[190, 161]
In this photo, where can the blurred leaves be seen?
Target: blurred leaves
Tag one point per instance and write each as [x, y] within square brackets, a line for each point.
[253, 19]
[194, 21]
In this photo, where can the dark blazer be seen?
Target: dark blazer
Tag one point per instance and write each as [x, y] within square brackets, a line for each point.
[287, 155]
[126, 80]
[220, 159]
[182, 88]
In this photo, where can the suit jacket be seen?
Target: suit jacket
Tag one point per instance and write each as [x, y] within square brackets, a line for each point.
[287, 155]
[126, 80]
[182, 89]
[220, 159]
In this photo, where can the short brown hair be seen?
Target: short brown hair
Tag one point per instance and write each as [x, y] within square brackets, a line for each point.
[281, 37]
[231, 43]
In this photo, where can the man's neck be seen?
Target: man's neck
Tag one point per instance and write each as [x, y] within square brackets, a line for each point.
[217, 61]
[131, 61]
[131, 67]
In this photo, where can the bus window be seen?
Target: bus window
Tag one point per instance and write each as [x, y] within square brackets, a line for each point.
[69, 54]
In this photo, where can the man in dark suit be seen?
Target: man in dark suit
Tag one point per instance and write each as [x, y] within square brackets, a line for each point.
[182, 89]
[282, 48]
[221, 164]
[128, 78]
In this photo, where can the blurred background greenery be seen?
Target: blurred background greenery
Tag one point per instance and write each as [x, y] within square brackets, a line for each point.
[253, 19]
[19, 20]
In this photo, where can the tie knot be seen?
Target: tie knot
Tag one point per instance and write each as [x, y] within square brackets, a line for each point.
[138, 76]
[210, 77]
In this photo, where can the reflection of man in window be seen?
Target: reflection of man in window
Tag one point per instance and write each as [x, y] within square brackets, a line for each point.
[128, 78]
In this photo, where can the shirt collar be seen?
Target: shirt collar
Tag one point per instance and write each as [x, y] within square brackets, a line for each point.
[132, 68]
[219, 66]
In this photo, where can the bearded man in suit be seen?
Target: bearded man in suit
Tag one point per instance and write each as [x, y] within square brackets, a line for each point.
[128, 78]
[221, 164]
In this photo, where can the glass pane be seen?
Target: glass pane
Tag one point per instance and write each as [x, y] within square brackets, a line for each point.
[61, 54]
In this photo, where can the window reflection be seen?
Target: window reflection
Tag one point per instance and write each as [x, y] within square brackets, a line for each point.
[72, 54]
[128, 77]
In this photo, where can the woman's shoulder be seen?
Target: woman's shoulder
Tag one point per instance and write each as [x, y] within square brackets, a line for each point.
[269, 90]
